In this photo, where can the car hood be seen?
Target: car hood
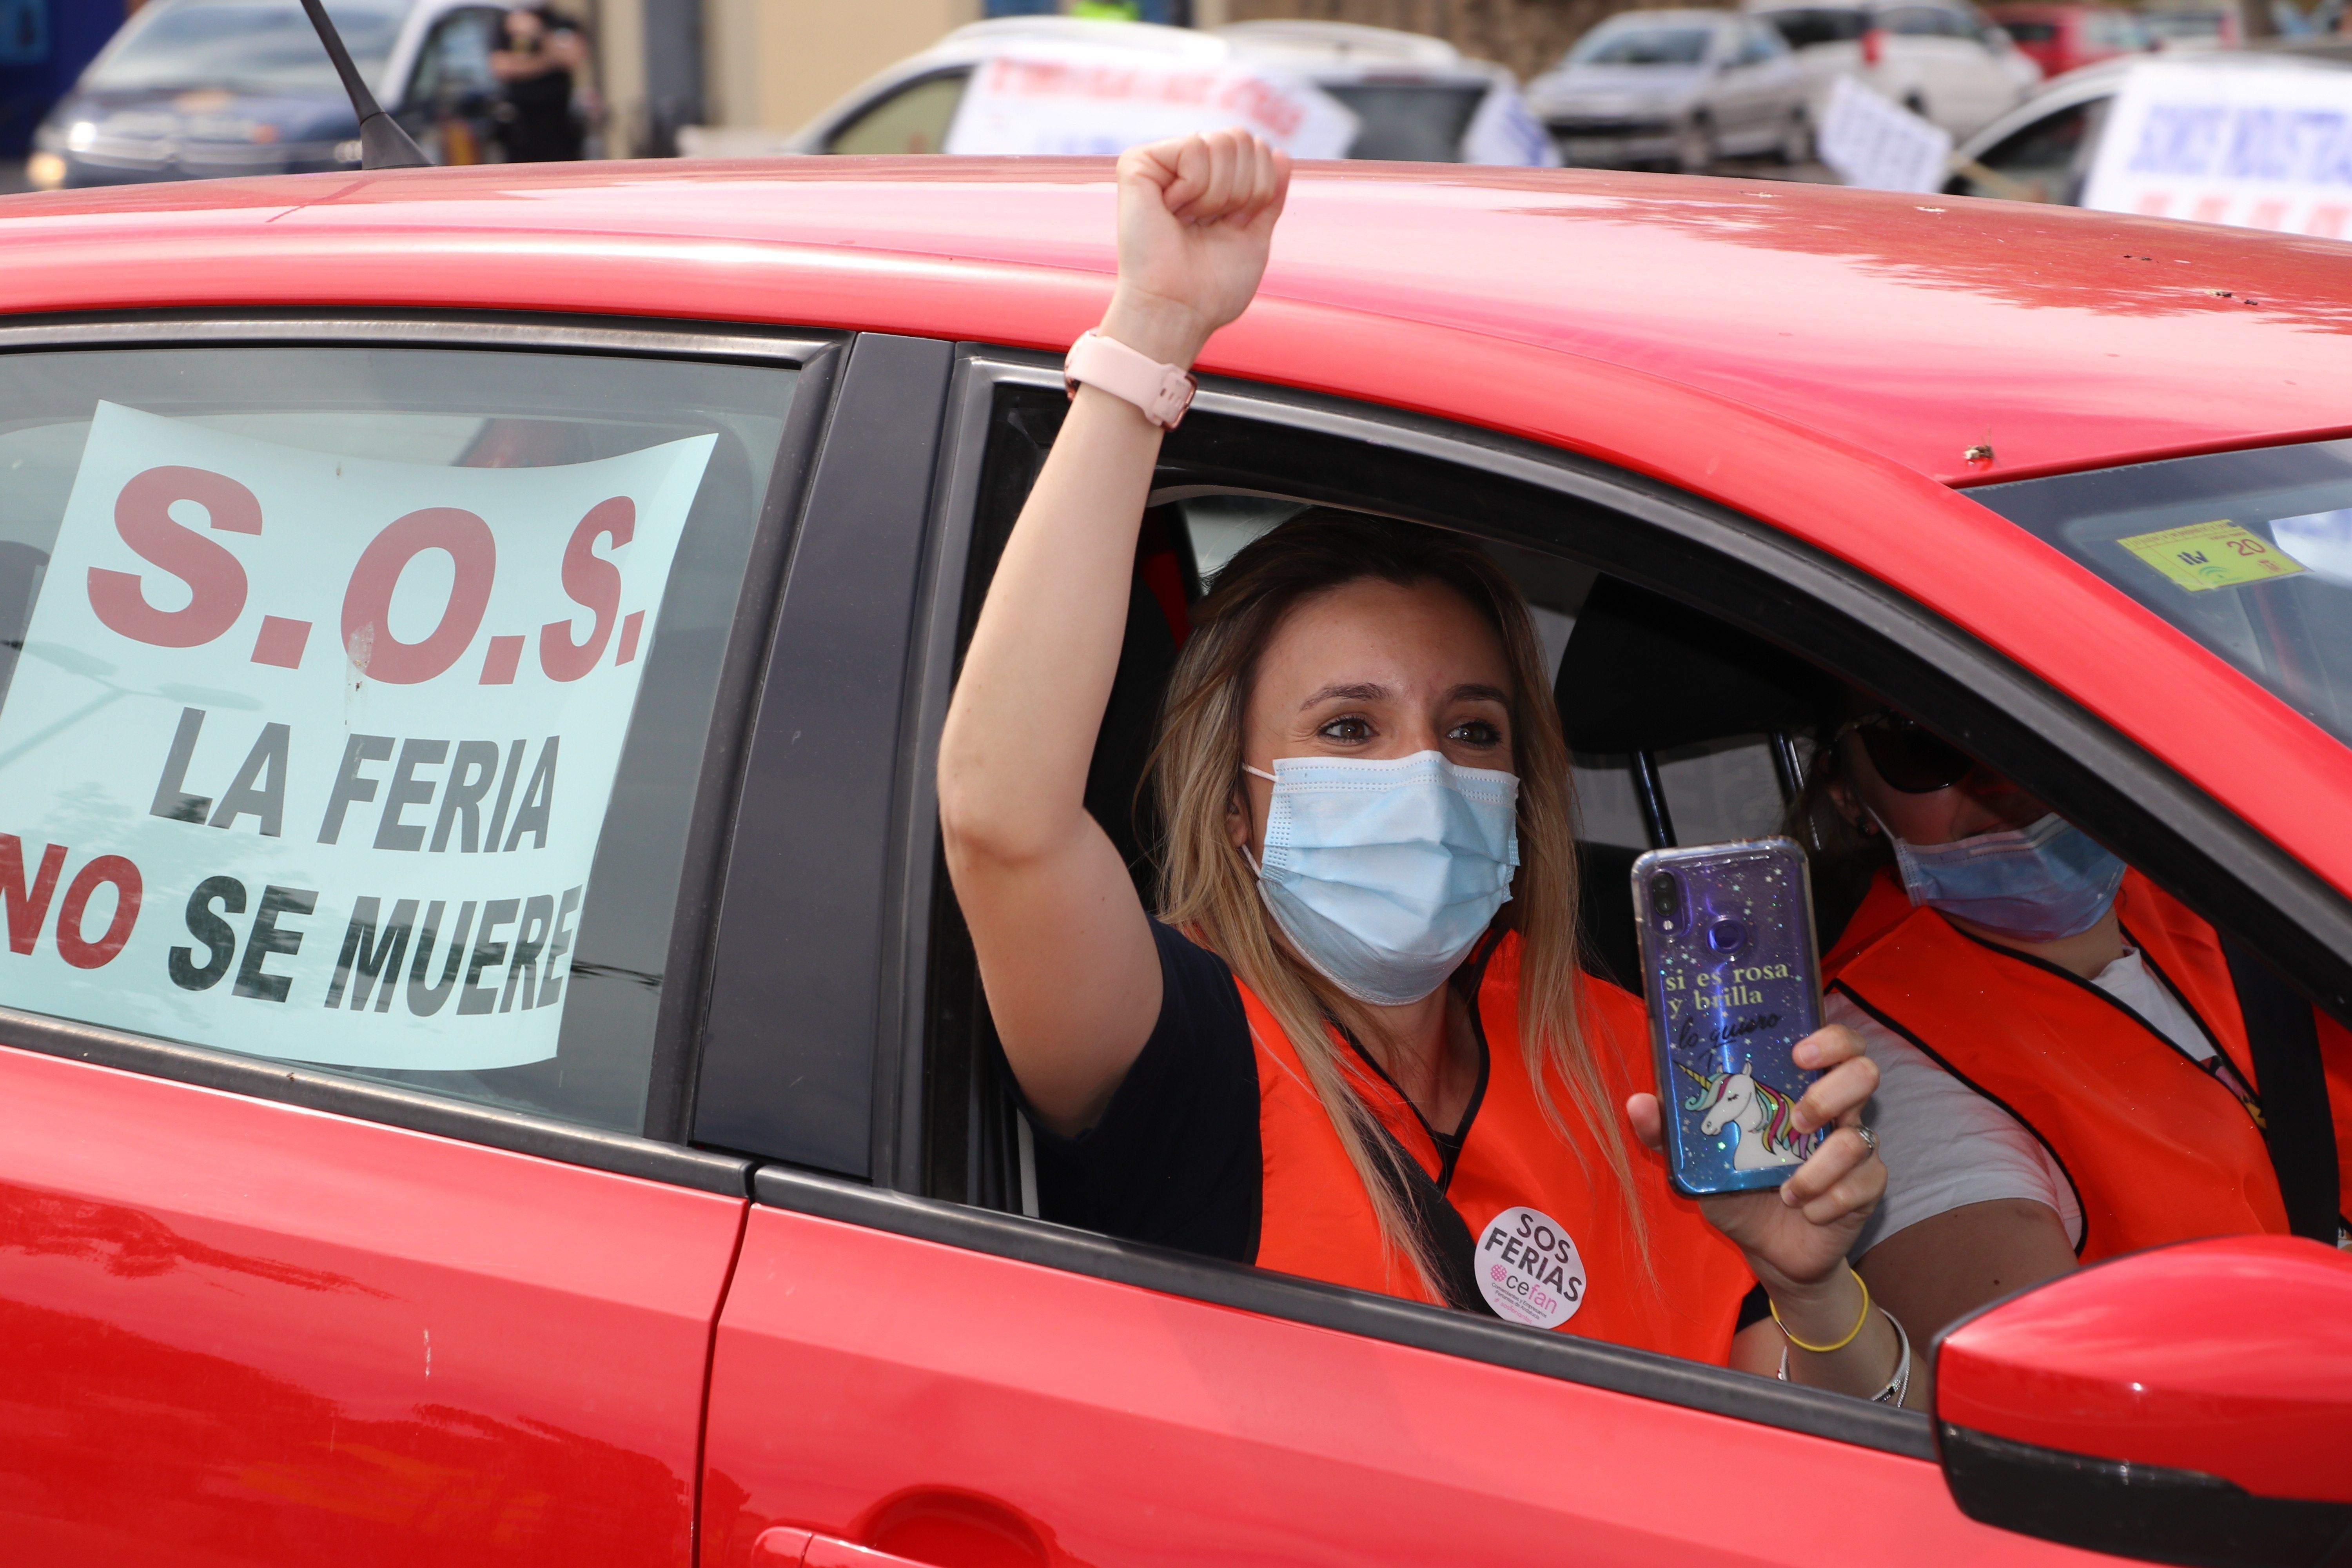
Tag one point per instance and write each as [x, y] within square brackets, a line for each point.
[1614, 87]
[207, 114]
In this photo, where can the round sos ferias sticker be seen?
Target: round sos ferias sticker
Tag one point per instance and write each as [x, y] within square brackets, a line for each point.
[1528, 1270]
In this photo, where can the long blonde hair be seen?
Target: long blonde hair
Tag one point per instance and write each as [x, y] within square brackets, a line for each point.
[1207, 890]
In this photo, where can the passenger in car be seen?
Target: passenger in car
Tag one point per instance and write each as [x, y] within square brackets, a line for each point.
[2066, 1067]
[1367, 881]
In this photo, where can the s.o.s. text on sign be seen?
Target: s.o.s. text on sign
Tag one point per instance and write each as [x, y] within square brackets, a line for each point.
[307, 755]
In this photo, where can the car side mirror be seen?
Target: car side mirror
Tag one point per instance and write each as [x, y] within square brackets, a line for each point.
[2189, 1404]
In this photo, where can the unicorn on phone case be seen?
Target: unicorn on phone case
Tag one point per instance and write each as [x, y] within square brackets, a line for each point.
[1763, 1114]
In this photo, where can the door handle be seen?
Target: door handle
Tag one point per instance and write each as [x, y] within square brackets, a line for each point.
[784, 1547]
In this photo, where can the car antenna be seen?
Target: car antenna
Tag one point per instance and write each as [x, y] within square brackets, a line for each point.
[383, 144]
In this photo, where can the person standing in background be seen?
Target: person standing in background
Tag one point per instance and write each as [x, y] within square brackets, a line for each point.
[543, 58]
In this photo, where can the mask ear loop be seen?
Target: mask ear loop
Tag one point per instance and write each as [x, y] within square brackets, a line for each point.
[1257, 867]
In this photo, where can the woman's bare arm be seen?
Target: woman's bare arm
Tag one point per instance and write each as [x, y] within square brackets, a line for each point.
[1066, 954]
[1949, 1264]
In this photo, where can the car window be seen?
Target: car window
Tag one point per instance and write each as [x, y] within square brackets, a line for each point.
[363, 698]
[1409, 121]
[1644, 47]
[1807, 26]
[2248, 553]
[456, 59]
[2042, 162]
[2030, 32]
[913, 120]
[253, 46]
[1919, 21]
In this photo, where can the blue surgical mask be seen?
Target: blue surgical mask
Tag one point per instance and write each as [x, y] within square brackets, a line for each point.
[1384, 873]
[2040, 882]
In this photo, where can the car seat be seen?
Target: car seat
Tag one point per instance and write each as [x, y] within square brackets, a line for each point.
[1642, 675]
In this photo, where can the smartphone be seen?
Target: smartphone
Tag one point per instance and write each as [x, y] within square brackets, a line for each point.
[1733, 982]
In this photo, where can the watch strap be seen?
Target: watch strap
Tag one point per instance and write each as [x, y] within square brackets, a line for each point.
[1162, 391]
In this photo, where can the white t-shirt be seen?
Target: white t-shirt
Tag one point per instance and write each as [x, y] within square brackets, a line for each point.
[1945, 1145]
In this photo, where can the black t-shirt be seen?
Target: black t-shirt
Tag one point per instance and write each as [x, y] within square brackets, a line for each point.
[1175, 1159]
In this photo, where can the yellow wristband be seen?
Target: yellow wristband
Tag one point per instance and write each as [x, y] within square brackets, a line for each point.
[1850, 1333]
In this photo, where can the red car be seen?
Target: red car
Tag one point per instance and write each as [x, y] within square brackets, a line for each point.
[2060, 37]
[379, 1186]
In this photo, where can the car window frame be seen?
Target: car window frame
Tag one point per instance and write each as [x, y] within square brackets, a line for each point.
[1250, 437]
[808, 939]
[659, 1152]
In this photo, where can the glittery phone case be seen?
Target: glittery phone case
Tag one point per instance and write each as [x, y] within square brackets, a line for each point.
[1733, 982]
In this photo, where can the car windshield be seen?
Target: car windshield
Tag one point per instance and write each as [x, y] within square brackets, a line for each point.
[252, 46]
[1813, 24]
[1419, 122]
[2248, 553]
[1644, 46]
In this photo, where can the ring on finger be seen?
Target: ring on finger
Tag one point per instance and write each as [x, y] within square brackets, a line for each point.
[1869, 1139]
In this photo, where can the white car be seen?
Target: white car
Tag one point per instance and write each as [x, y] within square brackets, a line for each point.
[1676, 87]
[2042, 150]
[1944, 62]
[1414, 97]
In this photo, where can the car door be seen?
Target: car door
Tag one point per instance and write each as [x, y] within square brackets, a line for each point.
[1740, 93]
[353, 972]
[1935, 75]
[909, 1364]
[451, 90]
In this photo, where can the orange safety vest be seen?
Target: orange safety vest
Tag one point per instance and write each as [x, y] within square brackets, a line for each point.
[2159, 1148]
[1317, 1220]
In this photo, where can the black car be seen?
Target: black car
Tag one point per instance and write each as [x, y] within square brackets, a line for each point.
[193, 88]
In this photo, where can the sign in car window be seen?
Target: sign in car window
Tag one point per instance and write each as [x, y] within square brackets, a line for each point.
[307, 755]
[1075, 99]
[2259, 147]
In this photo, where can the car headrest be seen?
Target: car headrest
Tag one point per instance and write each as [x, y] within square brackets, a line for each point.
[1643, 673]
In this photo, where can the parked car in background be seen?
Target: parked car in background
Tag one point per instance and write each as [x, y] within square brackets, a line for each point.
[1679, 87]
[191, 88]
[2192, 26]
[2043, 150]
[1944, 62]
[2059, 38]
[1415, 99]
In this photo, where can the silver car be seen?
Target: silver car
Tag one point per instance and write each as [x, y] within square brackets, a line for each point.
[1678, 87]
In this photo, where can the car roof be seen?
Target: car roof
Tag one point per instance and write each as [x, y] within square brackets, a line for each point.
[1908, 328]
[1341, 43]
[1686, 17]
[1314, 47]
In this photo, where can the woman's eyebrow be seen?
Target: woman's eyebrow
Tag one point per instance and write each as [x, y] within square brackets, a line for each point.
[1365, 693]
[1477, 692]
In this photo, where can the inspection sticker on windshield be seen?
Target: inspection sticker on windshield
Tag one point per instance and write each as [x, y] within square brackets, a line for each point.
[2217, 554]
[308, 756]
[1528, 1270]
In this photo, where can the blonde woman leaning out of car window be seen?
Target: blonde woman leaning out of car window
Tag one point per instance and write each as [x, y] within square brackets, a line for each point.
[1367, 881]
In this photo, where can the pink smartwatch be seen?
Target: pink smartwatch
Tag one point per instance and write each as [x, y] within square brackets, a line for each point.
[1161, 391]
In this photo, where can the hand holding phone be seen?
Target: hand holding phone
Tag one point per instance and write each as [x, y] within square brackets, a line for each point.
[1733, 982]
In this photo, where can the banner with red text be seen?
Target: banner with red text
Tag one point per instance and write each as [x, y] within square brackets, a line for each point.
[1072, 100]
[307, 757]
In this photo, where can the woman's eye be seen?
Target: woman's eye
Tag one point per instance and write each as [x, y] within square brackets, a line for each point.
[1475, 733]
[1346, 730]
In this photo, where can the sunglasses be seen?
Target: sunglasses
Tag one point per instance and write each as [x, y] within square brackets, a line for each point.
[1907, 757]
